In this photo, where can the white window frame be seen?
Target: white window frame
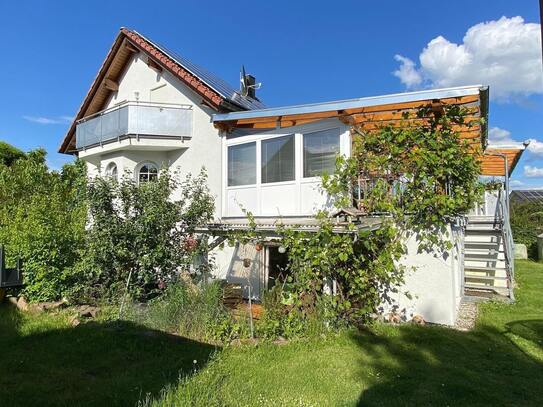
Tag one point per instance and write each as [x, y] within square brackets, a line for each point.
[257, 158]
[143, 164]
[299, 180]
[109, 171]
[302, 149]
[259, 146]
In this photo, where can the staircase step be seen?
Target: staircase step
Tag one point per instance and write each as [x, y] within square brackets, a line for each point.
[486, 259]
[481, 248]
[483, 222]
[472, 243]
[485, 288]
[483, 230]
[488, 278]
[482, 268]
[476, 295]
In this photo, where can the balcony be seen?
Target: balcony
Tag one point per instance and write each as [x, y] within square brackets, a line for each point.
[136, 120]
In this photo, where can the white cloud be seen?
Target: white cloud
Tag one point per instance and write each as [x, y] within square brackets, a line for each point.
[497, 136]
[533, 172]
[48, 120]
[407, 72]
[505, 54]
[535, 147]
[516, 183]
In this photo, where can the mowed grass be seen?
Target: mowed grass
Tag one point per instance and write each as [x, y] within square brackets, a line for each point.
[46, 362]
[499, 363]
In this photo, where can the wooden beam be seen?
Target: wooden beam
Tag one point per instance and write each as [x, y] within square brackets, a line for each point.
[111, 84]
[153, 64]
[130, 47]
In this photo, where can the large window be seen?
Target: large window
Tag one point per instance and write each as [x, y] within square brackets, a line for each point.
[242, 164]
[320, 150]
[148, 172]
[278, 159]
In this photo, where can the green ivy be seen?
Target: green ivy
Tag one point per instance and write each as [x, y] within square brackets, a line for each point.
[422, 177]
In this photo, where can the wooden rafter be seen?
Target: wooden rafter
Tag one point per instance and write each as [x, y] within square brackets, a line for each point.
[111, 84]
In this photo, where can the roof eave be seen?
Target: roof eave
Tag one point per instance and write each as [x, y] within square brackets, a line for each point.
[356, 103]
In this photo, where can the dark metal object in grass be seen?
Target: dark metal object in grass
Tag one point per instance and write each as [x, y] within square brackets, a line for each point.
[10, 277]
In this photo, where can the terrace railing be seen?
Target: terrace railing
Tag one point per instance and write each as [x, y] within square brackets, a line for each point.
[133, 118]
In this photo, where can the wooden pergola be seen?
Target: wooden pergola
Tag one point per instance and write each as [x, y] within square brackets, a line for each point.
[495, 160]
[373, 113]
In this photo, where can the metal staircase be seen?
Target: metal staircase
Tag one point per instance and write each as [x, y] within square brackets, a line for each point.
[488, 254]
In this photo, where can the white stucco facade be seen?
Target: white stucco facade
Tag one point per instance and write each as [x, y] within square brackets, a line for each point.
[433, 281]
[143, 83]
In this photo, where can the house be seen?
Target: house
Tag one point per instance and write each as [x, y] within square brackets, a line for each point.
[526, 195]
[149, 107]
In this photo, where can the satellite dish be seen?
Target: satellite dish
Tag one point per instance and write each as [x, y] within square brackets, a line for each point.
[243, 82]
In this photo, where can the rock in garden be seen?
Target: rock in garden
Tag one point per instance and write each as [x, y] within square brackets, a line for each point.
[88, 311]
[22, 304]
[394, 318]
[419, 320]
[520, 251]
[74, 321]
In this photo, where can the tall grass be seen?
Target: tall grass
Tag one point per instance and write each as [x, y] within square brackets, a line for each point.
[193, 311]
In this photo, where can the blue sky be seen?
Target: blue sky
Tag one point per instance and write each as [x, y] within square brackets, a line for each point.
[301, 51]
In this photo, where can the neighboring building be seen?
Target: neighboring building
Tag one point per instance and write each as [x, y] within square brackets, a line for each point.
[526, 195]
[149, 108]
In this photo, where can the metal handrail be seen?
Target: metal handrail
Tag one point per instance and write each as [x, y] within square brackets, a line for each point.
[502, 216]
[135, 119]
[134, 103]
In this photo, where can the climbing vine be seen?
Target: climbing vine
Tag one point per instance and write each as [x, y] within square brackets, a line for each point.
[400, 181]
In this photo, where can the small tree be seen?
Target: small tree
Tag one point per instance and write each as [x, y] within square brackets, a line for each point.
[42, 219]
[139, 233]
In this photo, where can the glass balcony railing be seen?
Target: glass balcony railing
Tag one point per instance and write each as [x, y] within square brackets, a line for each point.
[134, 119]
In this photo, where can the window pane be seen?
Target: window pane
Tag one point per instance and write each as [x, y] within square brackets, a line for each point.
[278, 159]
[242, 164]
[320, 150]
[148, 172]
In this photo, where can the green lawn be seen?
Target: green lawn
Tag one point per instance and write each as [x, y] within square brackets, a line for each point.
[46, 362]
[499, 363]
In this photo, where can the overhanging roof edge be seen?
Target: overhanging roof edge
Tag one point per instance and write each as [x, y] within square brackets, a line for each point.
[354, 103]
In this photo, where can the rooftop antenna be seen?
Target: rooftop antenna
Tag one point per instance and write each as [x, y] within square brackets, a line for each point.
[247, 83]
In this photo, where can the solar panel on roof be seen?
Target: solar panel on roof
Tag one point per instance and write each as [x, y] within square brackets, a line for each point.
[527, 195]
[219, 85]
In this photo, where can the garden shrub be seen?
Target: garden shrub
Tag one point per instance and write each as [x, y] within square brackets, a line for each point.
[137, 234]
[42, 220]
[283, 318]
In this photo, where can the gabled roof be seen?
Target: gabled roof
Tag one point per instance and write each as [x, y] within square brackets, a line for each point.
[209, 78]
[216, 93]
